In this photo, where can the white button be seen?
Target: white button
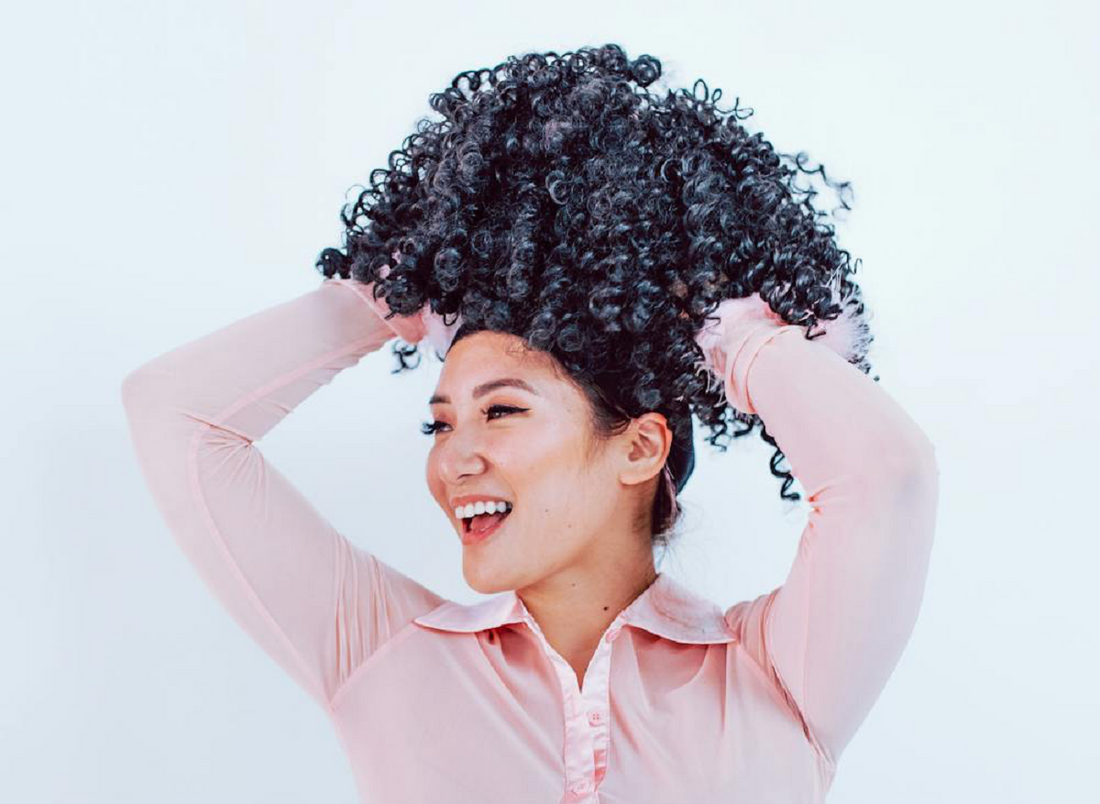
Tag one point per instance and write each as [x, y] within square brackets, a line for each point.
[582, 787]
[594, 717]
[614, 632]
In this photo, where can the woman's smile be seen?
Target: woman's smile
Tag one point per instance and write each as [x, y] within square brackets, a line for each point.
[478, 529]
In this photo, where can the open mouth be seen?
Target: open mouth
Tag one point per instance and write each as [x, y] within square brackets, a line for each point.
[483, 522]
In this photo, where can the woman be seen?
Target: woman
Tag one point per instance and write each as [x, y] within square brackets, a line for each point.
[594, 265]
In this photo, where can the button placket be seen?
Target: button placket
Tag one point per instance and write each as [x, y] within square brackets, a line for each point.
[597, 705]
[578, 751]
[585, 746]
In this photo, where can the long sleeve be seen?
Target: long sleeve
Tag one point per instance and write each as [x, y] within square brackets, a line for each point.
[317, 604]
[832, 634]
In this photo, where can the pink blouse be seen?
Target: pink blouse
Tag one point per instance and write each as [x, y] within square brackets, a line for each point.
[436, 701]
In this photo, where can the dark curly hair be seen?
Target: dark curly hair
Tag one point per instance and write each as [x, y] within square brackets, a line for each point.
[560, 201]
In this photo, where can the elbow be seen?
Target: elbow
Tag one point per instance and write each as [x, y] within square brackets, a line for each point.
[913, 459]
[135, 391]
[130, 390]
[923, 467]
[143, 388]
[918, 495]
[917, 473]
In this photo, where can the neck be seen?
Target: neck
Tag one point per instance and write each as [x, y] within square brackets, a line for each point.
[575, 607]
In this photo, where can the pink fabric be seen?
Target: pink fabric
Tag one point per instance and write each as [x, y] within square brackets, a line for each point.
[748, 322]
[436, 701]
[423, 325]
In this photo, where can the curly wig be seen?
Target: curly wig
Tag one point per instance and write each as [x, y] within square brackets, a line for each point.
[561, 201]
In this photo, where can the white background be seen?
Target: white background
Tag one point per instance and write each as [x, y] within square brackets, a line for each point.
[171, 167]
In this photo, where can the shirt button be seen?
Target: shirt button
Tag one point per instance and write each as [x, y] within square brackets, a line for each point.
[594, 717]
[614, 632]
[582, 787]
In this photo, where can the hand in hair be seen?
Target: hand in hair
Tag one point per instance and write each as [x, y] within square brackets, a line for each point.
[750, 322]
[722, 339]
[410, 328]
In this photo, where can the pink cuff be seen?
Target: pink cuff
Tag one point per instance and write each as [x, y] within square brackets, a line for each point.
[412, 329]
[745, 325]
[361, 289]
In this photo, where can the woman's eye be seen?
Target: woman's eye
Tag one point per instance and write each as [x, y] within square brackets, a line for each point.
[431, 428]
[503, 408]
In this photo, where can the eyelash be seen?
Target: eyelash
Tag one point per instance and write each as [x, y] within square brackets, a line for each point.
[430, 428]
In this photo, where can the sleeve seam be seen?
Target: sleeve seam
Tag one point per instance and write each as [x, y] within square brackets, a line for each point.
[208, 519]
[200, 498]
[811, 732]
[284, 379]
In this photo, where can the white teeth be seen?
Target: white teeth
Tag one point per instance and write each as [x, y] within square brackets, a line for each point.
[482, 507]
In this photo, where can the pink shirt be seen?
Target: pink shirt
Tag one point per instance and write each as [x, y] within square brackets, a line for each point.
[436, 701]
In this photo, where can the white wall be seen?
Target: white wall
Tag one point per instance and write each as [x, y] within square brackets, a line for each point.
[171, 167]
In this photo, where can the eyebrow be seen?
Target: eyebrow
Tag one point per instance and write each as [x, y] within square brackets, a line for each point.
[486, 387]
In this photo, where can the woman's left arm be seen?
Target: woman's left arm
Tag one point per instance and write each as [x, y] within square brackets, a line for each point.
[832, 634]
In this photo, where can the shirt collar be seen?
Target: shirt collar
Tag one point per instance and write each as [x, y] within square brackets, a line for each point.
[666, 608]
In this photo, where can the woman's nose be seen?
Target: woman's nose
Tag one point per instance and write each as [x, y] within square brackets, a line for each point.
[458, 458]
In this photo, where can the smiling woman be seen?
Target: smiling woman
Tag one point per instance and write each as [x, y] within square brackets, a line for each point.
[510, 426]
[584, 232]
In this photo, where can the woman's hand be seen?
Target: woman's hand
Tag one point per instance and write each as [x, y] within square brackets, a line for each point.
[721, 340]
[424, 324]
[749, 322]
[410, 328]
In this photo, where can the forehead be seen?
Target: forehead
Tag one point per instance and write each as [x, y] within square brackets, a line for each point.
[485, 356]
[493, 349]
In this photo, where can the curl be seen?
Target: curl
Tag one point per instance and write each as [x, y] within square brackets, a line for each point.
[558, 198]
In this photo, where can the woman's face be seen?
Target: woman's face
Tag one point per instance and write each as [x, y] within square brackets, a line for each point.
[528, 447]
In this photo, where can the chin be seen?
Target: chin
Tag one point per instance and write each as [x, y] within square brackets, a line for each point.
[486, 581]
[482, 585]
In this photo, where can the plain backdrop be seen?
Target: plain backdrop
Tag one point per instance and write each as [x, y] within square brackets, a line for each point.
[171, 167]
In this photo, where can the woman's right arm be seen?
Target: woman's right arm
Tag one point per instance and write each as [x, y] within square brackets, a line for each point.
[316, 603]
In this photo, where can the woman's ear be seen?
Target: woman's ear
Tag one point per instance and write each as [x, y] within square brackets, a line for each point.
[648, 441]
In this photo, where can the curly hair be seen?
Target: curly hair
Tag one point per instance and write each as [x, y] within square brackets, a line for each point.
[559, 200]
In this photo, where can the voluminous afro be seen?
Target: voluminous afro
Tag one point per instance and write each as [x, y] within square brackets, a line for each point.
[559, 200]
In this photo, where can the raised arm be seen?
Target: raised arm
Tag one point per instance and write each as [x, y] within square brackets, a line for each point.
[832, 634]
[319, 605]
